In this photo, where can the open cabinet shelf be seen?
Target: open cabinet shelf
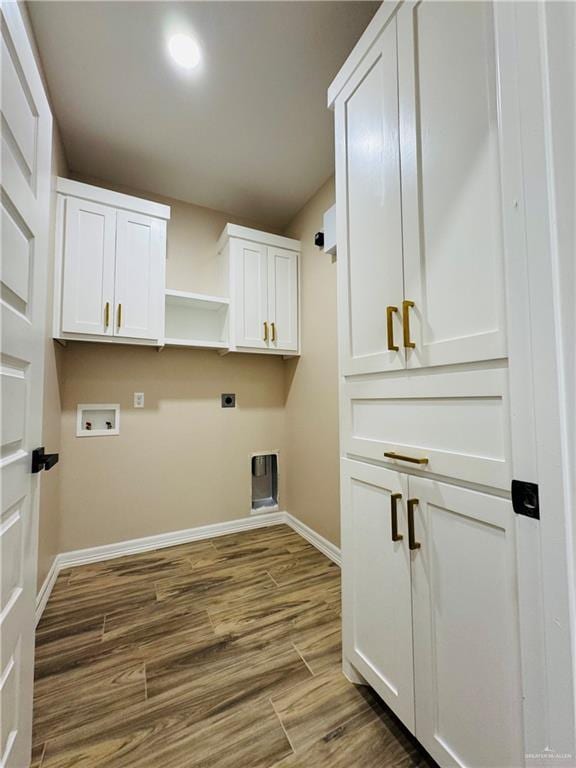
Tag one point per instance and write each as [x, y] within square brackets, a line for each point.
[196, 320]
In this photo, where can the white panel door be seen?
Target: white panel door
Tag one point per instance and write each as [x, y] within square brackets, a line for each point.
[139, 288]
[26, 157]
[466, 647]
[251, 288]
[451, 197]
[283, 298]
[377, 609]
[369, 214]
[88, 281]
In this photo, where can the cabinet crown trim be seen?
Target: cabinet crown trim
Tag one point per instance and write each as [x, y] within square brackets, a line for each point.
[362, 47]
[115, 199]
[256, 236]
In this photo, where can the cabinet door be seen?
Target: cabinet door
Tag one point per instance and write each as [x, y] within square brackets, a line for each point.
[250, 275]
[451, 196]
[466, 646]
[140, 254]
[88, 275]
[283, 298]
[369, 213]
[377, 612]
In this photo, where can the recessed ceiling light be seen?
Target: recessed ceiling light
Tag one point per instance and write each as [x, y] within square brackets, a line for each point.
[184, 50]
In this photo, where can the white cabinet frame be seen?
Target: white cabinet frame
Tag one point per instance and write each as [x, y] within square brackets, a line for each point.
[120, 210]
[257, 300]
[536, 63]
[541, 396]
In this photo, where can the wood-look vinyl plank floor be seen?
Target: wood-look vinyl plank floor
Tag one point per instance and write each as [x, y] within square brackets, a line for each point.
[317, 706]
[215, 654]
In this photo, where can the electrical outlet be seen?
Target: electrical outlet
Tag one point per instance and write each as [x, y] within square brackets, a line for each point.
[138, 399]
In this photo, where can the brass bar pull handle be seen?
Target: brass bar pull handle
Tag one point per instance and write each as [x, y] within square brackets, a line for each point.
[412, 543]
[265, 331]
[406, 306]
[107, 314]
[394, 499]
[401, 457]
[390, 328]
[273, 327]
[119, 315]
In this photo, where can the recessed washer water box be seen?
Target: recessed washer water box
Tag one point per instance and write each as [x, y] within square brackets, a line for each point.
[264, 470]
[97, 420]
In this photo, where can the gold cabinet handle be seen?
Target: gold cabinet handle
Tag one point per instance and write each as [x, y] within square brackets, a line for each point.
[401, 457]
[390, 328]
[394, 499]
[107, 314]
[265, 331]
[273, 327]
[412, 543]
[406, 306]
[119, 315]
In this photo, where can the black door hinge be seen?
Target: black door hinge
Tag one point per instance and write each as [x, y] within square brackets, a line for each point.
[42, 460]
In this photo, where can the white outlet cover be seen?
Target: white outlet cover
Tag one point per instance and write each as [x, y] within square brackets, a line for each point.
[138, 399]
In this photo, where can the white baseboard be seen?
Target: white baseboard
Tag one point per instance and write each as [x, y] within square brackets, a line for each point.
[326, 547]
[171, 539]
[46, 589]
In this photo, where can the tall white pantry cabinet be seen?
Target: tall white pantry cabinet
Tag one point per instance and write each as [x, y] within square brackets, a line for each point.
[430, 605]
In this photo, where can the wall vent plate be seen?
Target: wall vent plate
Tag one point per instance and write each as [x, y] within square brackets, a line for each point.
[228, 400]
[97, 420]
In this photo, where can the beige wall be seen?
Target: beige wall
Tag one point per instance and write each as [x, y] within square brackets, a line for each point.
[182, 461]
[312, 383]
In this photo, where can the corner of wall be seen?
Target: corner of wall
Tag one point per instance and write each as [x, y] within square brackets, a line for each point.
[311, 382]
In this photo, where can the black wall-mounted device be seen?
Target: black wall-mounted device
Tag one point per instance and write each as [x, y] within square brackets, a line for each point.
[319, 239]
[525, 499]
[229, 400]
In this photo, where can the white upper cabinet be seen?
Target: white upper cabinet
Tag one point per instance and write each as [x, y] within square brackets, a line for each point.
[262, 271]
[283, 298]
[369, 213]
[251, 292]
[88, 285]
[111, 251]
[140, 243]
[451, 197]
[420, 242]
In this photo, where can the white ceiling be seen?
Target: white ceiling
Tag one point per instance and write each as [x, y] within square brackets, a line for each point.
[247, 133]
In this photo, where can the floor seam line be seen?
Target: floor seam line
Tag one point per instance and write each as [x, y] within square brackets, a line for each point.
[272, 577]
[303, 659]
[42, 755]
[282, 725]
